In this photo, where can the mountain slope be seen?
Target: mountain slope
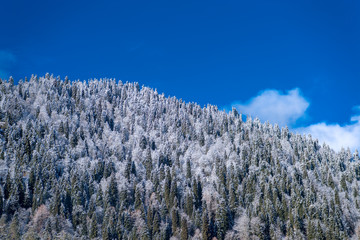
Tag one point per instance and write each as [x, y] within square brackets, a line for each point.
[108, 160]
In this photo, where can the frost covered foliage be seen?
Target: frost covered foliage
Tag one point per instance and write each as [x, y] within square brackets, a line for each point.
[107, 160]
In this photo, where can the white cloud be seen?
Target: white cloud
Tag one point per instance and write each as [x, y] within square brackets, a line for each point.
[276, 107]
[286, 108]
[7, 59]
[335, 135]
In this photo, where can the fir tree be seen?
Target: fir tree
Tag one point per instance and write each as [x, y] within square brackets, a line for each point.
[156, 223]
[14, 230]
[222, 219]
[188, 169]
[1, 203]
[57, 203]
[113, 192]
[174, 220]
[138, 198]
[184, 229]
[7, 187]
[205, 227]
[148, 164]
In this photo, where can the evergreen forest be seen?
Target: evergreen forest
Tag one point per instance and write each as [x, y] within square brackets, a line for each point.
[103, 159]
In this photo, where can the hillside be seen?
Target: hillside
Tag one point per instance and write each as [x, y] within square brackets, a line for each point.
[111, 160]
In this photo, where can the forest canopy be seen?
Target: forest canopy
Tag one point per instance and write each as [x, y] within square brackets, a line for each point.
[103, 159]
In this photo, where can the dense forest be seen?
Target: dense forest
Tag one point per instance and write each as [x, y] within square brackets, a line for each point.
[102, 159]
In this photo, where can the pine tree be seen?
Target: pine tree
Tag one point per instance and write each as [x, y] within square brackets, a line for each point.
[68, 204]
[14, 230]
[84, 227]
[74, 139]
[188, 169]
[99, 198]
[310, 230]
[113, 192]
[7, 187]
[57, 203]
[148, 164]
[173, 192]
[337, 198]
[1, 203]
[189, 204]
[128, 169]
[197, 191]
[222, 219]
[331, 181]
[232, 200]
[31, 181]
[167, 188]
[343, 183]
[156, 223]
[19, 191]
[93, 227]
[105, 233]
[138, 198]
[48, 230]
[184, 229]
[205, 227]
[149, 220]
[174, 220]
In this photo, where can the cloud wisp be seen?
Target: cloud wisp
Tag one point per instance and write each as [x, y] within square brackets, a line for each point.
[285, 109]
[276, 107]
[7, 60]
[335, 135]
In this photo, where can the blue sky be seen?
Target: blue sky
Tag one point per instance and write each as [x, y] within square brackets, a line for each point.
[237, 53]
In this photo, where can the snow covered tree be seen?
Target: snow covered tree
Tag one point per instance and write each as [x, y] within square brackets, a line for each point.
[113, 192]
[168, 168]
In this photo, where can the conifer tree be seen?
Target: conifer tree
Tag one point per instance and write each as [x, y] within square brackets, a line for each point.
[93, 227]
[205, 227]
[57, 203]
[14, 230]
[189, 204]
[1, 202]
[156, 223]
[222, 219]
[184, 229]
[148, 164]
[7, 187]
[113, 192]
[149, 220]
[197, 191]
[188, 169]
[138, 198]
[174, 220]
[84, 226]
